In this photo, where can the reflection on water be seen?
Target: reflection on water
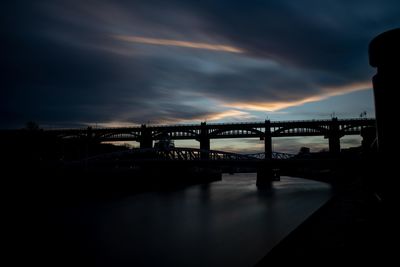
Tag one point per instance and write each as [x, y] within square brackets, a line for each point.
[225, 223]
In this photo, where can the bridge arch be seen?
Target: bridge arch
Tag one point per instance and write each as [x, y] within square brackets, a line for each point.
[77, 135]
[220, 132]
[116, 134]
[316, 129]
[159, 134]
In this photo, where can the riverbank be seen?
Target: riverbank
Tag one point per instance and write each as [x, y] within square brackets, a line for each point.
[355, 225]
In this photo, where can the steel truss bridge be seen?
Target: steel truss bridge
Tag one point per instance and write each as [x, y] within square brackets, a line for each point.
[181, 154]
[168, 161]
[156, 159]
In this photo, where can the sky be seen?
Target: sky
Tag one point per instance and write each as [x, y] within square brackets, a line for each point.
[70, 63]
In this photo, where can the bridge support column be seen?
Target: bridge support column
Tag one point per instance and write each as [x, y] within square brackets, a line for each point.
[334, 137]
[265, 176]
[204, 141]
[268, 140]
[88, 141]
[146, 141]
[334, 144]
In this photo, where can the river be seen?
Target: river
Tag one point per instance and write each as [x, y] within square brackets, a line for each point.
[224, 223]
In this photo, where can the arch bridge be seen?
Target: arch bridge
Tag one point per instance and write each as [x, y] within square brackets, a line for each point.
[332, 129]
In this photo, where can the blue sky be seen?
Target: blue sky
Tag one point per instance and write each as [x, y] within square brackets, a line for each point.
[114, 63]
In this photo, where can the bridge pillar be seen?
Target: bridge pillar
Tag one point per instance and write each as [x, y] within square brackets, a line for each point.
[146, 140]
[265, 176]
[88, 141]
[268, 140]
[334, 137]
[204, 141]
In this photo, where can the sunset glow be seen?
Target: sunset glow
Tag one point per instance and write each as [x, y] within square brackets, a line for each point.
[276, 105]
[169, 42]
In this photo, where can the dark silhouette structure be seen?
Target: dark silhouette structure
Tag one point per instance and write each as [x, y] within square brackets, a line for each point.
[384, 54]
[56, 146]
[331, 129]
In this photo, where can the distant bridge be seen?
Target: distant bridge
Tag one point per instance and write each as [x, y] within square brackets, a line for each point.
[332, 129]
[159, 159]
[168, 161]
[182, 154]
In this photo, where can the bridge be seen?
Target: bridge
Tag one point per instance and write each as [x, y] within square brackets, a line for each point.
[182, 154]
[142, 162]
[332, 129]
[156, 157]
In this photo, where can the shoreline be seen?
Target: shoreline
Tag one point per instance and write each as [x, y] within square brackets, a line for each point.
[353, 226]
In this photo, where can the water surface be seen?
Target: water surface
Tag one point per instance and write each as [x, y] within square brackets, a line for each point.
[225, 223]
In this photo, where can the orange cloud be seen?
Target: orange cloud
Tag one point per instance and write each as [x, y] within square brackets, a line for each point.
[169, 42]
[276, 106]
[229, 113]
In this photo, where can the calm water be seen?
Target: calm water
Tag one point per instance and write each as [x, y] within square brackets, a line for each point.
[226, 223]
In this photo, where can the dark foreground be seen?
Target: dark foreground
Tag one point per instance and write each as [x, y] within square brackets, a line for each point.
[354, 226]
[225, 223]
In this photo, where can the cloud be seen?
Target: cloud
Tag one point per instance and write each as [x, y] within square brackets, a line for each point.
[75, 62]
[276, 105]
[319, 35]
[179, 43]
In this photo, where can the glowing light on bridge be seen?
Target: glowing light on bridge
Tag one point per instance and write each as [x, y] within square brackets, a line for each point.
[178, 43]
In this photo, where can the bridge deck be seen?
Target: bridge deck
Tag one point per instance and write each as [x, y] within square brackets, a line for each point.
[218, 131]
